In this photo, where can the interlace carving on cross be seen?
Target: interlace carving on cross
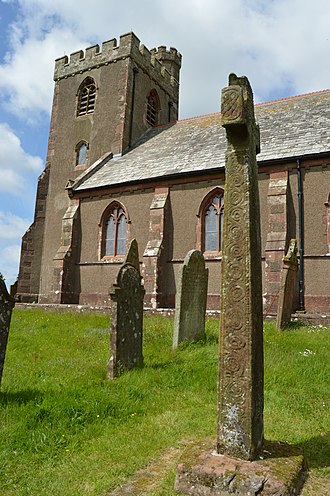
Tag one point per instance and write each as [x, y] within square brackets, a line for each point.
[240, 399]
[237, 111]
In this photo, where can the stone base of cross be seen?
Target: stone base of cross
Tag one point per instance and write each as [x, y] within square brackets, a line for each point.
[280, 470]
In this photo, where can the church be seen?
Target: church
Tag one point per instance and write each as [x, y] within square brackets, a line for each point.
[120, 165]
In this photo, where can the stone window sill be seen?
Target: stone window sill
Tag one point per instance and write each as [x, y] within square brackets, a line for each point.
[212, 255]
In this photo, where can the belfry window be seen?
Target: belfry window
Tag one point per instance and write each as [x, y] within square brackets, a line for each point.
[114, 231]
[81, 153]
[86, 97]
[210, 228]
[152, 108]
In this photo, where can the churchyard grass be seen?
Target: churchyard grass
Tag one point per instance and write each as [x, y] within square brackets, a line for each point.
[67, 431]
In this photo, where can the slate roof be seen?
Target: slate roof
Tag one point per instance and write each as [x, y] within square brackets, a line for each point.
[293, 127]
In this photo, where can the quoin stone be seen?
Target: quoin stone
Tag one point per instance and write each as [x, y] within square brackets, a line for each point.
[190, 308]
[288, 286]
[241, 367]
[7, 303]
[126, 321]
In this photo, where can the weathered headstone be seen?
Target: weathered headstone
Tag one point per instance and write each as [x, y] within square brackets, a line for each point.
[190, 305]
[126, 321]
[13, 289]
[288, 285]
[6, 306]
[132, 256]
[242, 462]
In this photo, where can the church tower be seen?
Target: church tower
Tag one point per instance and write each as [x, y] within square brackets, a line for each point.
[104, 100]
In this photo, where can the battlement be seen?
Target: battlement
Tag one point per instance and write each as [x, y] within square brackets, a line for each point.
[158, 62]
[171, 59]
[171, 54]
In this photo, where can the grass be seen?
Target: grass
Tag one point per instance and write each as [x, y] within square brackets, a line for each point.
[67, 431]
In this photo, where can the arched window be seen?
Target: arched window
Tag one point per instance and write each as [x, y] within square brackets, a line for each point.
[210, 226]
[114, 231]
[86, 97]
[81, 153]
[153, 107]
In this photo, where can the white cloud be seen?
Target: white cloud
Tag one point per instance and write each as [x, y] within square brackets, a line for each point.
[31, 94]
[9, 256]
[282, 46]
[14, 162]
[12, 227]
[271, 42]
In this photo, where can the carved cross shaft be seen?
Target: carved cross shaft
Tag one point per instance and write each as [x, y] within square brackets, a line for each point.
[240, 405]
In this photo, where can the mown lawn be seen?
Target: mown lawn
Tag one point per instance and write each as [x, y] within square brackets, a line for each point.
[67, 431]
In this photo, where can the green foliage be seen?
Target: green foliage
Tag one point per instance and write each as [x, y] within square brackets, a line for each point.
[66, 430]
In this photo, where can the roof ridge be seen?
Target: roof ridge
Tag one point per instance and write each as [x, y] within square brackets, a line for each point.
[293, 97]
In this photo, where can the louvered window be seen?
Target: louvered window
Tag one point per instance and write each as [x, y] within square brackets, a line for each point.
[87, 97]
[152, 108]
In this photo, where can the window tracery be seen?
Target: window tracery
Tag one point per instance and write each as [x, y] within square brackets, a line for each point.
[114, 231]
[210, 228]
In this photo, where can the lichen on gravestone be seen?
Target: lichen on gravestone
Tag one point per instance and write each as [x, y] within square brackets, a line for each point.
[191, 296]
[132, 256]
[126, 321]
[7, 303]
[287, 286]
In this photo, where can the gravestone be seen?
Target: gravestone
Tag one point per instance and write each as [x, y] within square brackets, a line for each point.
[6, 306]
[240, 462]
[126, 321]
[132, 256]
[287, 287]
[190, 305]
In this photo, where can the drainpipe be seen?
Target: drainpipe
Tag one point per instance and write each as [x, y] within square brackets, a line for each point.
[301, 240]
[135, 71]
[170, 105]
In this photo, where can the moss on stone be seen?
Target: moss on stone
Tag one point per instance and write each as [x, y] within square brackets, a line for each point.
[283, 467]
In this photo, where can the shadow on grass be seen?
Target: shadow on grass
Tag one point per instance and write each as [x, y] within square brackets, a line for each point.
[158, 365]
[317, 450]
[20, 397]
[294, 325]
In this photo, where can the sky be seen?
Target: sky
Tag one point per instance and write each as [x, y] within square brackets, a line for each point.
[282, 46]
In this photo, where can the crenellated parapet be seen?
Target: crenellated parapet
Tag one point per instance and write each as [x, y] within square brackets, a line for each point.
[161, 64]
[171, 59]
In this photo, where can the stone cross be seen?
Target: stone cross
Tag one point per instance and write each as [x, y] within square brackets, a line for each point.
[241, 368]
[6, 306]
[126, 321]
[288, 285]
[190, 304]
[242, 462]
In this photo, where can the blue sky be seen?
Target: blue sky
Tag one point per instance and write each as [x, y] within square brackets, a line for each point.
[281, 45]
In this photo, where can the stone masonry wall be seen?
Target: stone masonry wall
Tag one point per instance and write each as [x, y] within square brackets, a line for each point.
[107, 129]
